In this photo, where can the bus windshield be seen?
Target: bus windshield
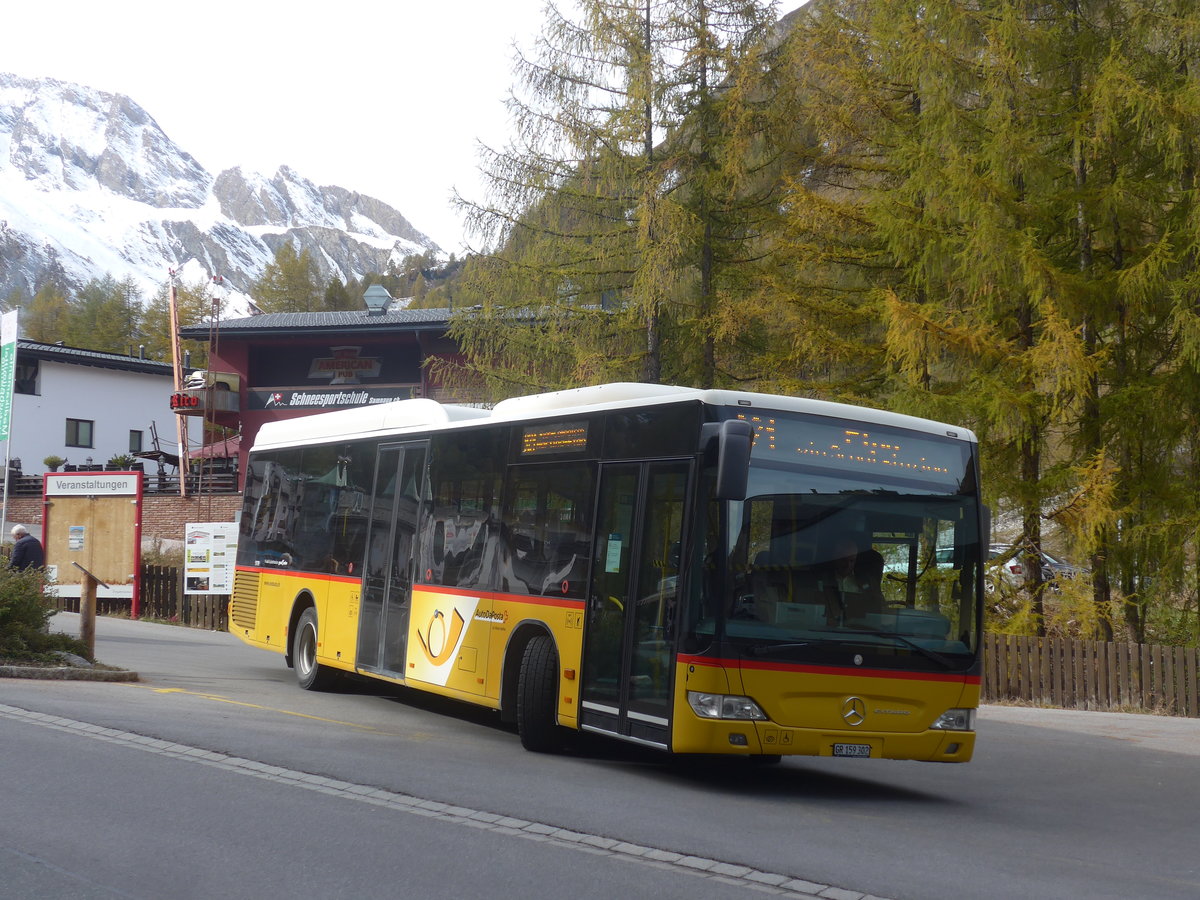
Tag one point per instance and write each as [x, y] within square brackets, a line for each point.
[838, 556]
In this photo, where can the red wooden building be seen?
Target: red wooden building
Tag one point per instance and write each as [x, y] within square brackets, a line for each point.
[281, 365]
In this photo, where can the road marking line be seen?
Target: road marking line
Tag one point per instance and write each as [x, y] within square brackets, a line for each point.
[217, 698]
[728, 873]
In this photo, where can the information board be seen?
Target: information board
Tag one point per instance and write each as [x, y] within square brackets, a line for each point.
[209, 553]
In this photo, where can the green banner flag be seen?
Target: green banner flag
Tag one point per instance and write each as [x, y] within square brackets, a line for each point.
[8, 368]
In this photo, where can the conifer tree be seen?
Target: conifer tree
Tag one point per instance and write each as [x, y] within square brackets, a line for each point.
[597, 214]
[1002, 184]
[288, 283]
[45, 318]
[194, 306]
[726, 177]
[338, 297]
[105, 315]
[18, 298]
[1135, 160]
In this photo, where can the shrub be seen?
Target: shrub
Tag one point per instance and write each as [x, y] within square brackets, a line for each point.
[157, 553]
[24, 617]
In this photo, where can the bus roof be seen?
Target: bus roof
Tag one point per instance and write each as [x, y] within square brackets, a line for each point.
[363, 421]
[401, 416]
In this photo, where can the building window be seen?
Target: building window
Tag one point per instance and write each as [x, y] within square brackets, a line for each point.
[79, 433]
[25, 378]
[135, 441]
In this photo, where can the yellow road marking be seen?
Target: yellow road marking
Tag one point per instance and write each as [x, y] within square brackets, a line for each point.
[284, 712]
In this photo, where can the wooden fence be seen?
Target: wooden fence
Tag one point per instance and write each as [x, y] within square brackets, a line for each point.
[163, 598]
[1091, 674]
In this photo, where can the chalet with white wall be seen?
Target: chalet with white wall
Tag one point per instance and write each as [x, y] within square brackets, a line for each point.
[87, 407]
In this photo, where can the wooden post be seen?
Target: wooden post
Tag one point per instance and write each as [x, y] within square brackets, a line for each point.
[87, 614]
[181, 429]
[87, 608]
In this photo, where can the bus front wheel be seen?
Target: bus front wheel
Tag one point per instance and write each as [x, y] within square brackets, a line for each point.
[537, 696]
[311, 674]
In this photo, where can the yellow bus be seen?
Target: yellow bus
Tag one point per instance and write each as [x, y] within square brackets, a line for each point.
[705, 572]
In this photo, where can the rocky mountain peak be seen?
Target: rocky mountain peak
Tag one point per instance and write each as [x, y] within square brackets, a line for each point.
[65, 137]
[91, 185]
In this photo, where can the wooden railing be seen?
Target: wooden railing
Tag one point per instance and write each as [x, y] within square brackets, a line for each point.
[1091, 674]
[152, 483]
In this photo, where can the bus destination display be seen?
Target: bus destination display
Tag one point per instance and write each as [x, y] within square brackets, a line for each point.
[568, 437]
[836, 446]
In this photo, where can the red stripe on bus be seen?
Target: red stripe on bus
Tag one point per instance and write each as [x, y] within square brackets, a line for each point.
[292, 573]
[534, 599]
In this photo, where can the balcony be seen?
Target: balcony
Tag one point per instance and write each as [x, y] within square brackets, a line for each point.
[203, 401]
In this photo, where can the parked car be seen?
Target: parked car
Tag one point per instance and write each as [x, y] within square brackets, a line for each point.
[1055, 569]
[1004, 566]
[1012, 570]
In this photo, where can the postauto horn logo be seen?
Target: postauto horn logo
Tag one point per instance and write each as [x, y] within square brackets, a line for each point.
[440, 639]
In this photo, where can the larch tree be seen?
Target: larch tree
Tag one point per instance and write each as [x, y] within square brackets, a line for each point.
[194, 304]
[105, 315]
[1003, 185]
[590, 225]
[45, 317]
[337, 297]
[18, 298]
[289, 283]
[916, 213]
[1134, 155]
[725, 178]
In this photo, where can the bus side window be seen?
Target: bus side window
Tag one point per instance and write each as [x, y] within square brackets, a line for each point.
[458, 544]
[546, 545]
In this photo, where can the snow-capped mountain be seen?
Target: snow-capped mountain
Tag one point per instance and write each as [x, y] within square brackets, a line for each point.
[90, 185]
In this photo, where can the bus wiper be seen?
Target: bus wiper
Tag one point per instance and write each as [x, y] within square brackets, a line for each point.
[943, 661]
[764, 649]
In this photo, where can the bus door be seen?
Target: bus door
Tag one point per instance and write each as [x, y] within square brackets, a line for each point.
[391, 546]
[633, 601]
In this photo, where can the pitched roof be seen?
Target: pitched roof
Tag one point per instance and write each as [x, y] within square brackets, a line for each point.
[95, 358]
[347, 320]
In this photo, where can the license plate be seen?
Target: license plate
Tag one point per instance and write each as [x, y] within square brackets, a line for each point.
[862, 750]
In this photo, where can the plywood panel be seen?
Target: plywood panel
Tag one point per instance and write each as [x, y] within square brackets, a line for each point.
[100, 533]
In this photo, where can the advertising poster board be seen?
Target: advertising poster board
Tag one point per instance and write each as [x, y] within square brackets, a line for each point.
[209, 551]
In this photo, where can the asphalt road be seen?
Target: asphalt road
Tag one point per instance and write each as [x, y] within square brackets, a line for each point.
[215, 775]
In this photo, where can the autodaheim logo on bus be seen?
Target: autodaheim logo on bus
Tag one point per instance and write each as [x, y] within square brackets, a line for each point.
[346, 366]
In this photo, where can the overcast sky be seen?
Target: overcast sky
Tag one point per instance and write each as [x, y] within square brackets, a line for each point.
[387, 99]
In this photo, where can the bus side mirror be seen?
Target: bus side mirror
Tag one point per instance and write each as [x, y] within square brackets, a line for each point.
[734, 439]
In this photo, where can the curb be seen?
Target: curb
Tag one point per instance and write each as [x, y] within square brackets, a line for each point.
[67, 673]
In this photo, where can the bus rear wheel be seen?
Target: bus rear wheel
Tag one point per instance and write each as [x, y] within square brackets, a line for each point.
[311, 675]
[537, 697]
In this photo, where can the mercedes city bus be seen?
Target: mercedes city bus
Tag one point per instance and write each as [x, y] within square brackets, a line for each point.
[699, 571]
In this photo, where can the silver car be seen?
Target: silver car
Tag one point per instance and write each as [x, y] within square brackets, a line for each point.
[1012, 570]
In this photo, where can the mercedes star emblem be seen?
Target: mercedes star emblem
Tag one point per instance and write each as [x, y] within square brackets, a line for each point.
[854, 711]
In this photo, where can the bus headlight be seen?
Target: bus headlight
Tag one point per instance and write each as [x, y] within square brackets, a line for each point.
[955, 720]
[724, 706]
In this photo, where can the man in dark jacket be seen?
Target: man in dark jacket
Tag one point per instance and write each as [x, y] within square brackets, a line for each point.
[27, 550]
